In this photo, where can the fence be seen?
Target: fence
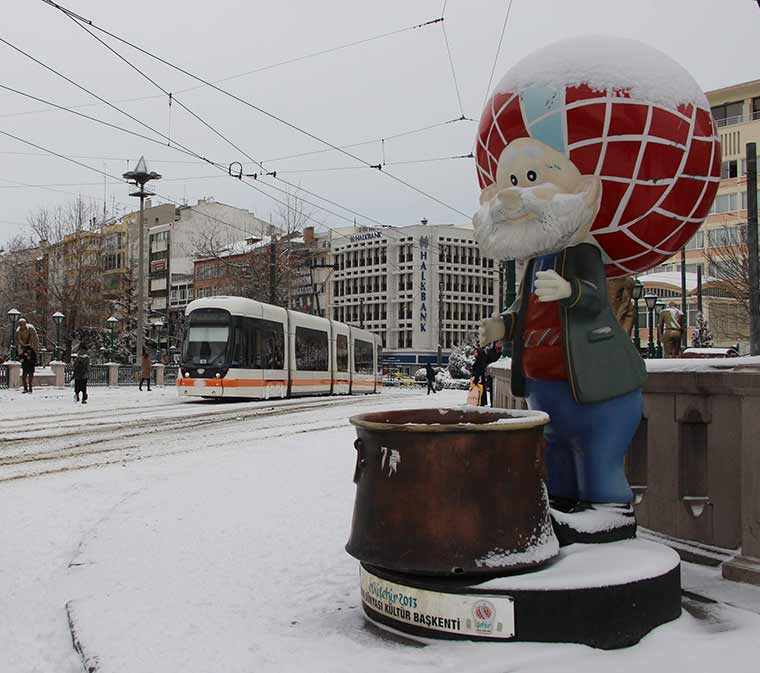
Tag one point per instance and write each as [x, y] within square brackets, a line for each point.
[98, 375]
[129, 375]
[3, 376]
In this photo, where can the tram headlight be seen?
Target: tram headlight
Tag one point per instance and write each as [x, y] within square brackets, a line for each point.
[218, 375]
[187, 375]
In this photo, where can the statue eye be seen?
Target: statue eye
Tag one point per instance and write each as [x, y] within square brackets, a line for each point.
[532, 176]
[513, 179]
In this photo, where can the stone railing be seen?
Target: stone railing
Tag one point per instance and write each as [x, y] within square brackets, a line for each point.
[109, 374]
[694, 464]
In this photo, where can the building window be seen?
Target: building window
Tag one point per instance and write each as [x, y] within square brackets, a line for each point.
[729, 169]
[341, 351]
[696, 242]
[722, 237]
[728, 113]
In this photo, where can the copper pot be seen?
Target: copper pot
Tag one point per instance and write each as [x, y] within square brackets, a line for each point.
[451, 491]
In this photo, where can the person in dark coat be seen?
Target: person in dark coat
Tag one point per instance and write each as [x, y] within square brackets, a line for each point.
[146, 369]
[81, 374]
[479, 373]
[28, 363]
[430, 377]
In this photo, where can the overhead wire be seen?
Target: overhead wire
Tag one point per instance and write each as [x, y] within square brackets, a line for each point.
[281, 120]
[498, 51]
[453, 71]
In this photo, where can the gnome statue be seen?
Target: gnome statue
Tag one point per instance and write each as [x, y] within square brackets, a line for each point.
[596, 158]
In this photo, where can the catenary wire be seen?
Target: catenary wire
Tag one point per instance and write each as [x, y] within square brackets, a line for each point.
[453, 72]
[253, 106]
[498, 51]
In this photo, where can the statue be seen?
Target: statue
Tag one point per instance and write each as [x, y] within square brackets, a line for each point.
[590, 167]
[620, 295]
[670, 327]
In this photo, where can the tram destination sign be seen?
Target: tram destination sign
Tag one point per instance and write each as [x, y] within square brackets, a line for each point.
[481, 615]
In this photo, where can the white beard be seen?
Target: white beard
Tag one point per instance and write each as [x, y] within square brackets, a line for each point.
[550, 226]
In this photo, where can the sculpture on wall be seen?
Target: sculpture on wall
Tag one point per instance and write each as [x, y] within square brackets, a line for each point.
[590, 167]
[620, 295]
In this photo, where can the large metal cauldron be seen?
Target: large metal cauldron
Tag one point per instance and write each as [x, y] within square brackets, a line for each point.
[451, 491]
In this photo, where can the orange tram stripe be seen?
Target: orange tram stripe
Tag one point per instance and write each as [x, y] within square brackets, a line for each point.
[263, 383]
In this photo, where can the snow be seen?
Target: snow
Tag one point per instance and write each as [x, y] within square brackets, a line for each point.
[678, 364]
[606, 62]
[582, 566]
[193, 536]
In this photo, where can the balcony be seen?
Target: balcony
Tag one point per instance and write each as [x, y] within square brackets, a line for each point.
[737, 119]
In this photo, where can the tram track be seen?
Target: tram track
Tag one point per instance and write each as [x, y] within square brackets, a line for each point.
[110, 448]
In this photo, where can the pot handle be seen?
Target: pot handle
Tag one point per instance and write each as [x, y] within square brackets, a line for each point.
[361, 461]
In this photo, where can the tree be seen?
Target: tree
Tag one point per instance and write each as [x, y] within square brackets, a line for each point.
[461, 360]
[702, 337]
[728, 258]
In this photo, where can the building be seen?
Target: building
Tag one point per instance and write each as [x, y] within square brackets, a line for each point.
[421, 288]
[736, 110]
[203, 230]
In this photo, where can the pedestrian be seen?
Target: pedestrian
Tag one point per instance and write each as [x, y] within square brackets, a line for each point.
[479, 372]
[430, 377]
[146, 369]
[81, 374]
[28, 363]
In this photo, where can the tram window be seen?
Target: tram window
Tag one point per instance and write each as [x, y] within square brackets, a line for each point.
[341, 347]
[206, 344]
[311, 350]
[363, 357]
[259, 344]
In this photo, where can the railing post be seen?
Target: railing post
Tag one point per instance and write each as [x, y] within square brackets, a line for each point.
[159, 373]
[59, 371]
[14, 374]
[113, 373]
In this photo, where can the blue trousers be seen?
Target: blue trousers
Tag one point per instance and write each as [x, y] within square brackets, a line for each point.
[586, 443]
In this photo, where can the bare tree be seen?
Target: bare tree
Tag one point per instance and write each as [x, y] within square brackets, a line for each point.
[728, 258]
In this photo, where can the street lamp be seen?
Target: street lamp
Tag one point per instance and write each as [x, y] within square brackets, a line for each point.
[658, 307]
[173, 352]
[112, 325]
[638, 290]
[157, 325]
[58, 319]
[13, 314]
[651, 301]
[139, 177]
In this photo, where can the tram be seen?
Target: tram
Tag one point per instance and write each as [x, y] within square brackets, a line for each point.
[237, 347]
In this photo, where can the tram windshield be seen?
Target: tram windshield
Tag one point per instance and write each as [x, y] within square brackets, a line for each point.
[206, 339]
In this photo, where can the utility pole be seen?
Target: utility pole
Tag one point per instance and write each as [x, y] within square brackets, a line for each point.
[361, 312]
[139, 177]
[752, 245]
[440, 304]
[685, 326]
[272, 264]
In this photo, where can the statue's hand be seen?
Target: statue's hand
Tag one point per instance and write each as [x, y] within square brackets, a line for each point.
[491, 329]
[550, 286]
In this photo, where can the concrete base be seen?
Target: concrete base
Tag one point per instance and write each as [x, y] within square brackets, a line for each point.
[742, 569]
[604, 595]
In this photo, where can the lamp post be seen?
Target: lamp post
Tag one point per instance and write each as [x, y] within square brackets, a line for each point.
[58, 319]
[173, 352]
[13, 314]
[112, 325]
[651, 301]
[658, 307]
[157, 325]
[139, 177]
[638, 290]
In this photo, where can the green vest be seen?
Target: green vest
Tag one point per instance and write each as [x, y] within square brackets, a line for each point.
[600, 360]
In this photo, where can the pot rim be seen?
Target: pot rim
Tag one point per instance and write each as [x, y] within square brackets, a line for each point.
[520, 419]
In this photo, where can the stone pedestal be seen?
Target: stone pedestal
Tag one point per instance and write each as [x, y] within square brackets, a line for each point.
[159, 368]
[113, 373]
[59, 369]
[14, 374]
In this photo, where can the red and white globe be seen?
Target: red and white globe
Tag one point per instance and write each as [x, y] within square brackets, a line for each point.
[632, 116]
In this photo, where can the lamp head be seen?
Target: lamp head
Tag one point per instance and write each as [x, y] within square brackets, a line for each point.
[651, 300]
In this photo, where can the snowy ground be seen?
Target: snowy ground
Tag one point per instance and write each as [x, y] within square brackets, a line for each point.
[184, 537]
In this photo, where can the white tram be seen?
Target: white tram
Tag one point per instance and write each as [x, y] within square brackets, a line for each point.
[236, 347]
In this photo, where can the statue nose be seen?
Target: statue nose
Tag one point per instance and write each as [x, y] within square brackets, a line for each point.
[511, 198]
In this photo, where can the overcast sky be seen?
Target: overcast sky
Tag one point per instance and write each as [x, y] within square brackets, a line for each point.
[375, 90]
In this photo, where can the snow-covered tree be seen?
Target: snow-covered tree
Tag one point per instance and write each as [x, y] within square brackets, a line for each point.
[461, 360]
[703, 337]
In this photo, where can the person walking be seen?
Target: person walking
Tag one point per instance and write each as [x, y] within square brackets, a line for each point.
[81, 374]
[430, 377]
[146, 369]
[479, 373]
[28, 363]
